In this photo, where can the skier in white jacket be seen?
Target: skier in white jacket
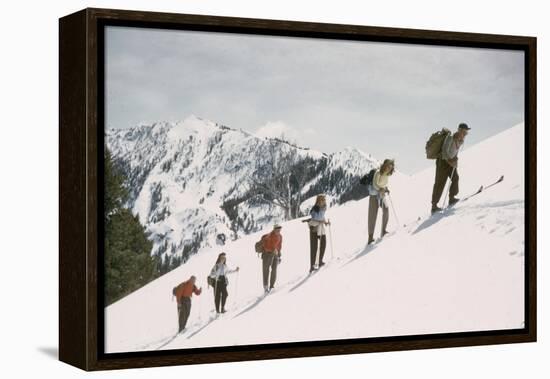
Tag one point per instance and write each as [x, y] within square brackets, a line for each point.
[218, 279]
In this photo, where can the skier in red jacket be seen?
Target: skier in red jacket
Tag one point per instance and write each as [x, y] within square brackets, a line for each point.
[183, 293]
[271, 257]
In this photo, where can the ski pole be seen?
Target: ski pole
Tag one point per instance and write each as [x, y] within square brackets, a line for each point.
[393, 209]
[236, 290]
[215, 292]
[330, 233]
[200, 309]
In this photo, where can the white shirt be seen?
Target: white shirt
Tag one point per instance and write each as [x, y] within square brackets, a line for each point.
[220, 269]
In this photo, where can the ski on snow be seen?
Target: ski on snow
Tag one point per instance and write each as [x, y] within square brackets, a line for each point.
[480, 190]
[448, 207]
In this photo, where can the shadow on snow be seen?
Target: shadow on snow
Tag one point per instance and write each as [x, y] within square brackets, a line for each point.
[433, 219]
[367, 249]
[253, 305]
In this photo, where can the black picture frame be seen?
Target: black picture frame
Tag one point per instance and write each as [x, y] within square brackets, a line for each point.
[81, 112]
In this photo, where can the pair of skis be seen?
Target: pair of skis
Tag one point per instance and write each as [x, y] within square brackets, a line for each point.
[480, 190]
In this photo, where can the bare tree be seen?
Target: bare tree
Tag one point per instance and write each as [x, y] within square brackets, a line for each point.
[279, 177]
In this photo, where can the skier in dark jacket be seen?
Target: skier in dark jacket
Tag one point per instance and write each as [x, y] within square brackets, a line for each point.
[183, 293]
[446, 166]
[219, 275]
[317, 231]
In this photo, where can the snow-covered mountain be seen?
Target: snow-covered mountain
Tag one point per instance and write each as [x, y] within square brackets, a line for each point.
[458, 271]
[194, 183]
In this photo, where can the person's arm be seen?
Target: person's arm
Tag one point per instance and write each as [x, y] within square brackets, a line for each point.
[315, 213]
[317, 216]
[213, 272]
[446, 151]
[196, 290]
[376, 182]
[450, 151]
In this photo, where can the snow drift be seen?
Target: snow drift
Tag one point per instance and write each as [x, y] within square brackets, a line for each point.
[454, 272]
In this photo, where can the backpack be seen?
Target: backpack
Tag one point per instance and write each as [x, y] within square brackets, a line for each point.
[175, 289]
[211, 281]
[435, 143]
[367, 179]
[259, 246]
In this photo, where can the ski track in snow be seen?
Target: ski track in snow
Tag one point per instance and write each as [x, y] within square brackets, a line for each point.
[459, 270]
[234, 313]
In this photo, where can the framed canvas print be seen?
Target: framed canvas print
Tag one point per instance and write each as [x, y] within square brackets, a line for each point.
[240, 189]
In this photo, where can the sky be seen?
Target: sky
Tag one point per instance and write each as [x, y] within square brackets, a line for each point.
[383, 98]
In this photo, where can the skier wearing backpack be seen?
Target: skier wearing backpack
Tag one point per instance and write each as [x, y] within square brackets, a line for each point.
[317, 231]
[218, 280]
[271, 257]
[183, 292]
[377, 191]
[446, 166]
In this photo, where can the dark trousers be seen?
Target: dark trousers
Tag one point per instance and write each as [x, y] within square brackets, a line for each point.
[184, 308]
[220, 293]
[313, 243]
[269, 261]
[444, 170]
[374, 204]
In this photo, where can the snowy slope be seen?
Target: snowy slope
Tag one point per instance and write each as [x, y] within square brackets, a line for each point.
[461, 271]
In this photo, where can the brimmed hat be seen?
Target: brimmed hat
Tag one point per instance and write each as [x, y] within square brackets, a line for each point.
[277, 226]
[463, 125]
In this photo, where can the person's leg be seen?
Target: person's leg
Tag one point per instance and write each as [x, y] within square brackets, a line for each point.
[266, 262]
[224, 295]
[214, 292]
[323, 247]
[441, 175]
[187, 310]
[373, 212]
[385, 218]
[217, 295]
[453, 190]
[181, 323]
[312, 246]
[274, 264]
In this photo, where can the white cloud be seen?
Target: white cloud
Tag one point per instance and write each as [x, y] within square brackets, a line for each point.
[280, 129]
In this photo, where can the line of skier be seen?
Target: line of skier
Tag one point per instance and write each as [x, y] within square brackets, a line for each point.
[442, 146]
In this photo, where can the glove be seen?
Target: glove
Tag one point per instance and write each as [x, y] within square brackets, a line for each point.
[279, 258]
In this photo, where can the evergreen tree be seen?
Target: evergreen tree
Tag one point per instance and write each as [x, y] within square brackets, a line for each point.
[128, 261]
